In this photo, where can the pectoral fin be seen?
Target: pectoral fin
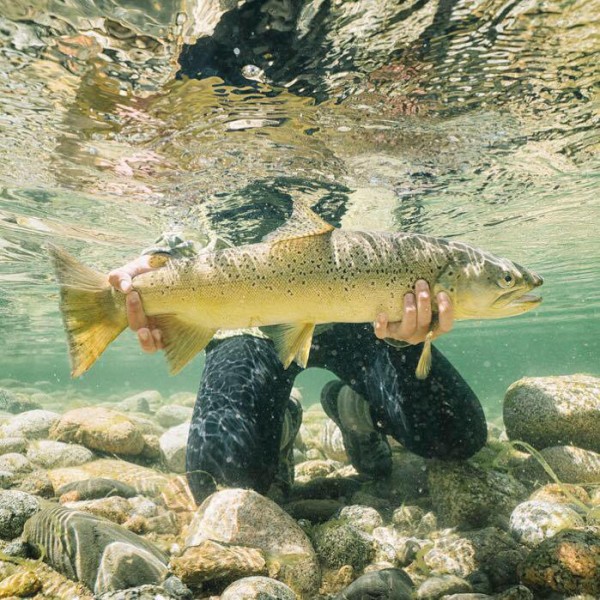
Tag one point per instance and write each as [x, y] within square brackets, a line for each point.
[292, 341]
[182, 340]
[424, 365]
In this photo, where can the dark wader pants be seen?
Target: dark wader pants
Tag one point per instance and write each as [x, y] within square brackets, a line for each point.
[237, 421]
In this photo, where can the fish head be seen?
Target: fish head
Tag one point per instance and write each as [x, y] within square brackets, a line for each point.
[484, 286]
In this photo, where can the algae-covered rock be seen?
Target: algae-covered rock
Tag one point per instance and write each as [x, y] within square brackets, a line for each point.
[337, 544]
[554, 411]
[211, 560]
[142, 592]
[245, 518]
[570, 464]
[258, 588]
[488, 550]
[21, 585]
[94, 551]
[407, 517]
[516, 592]
[99, 429]
[379, 585]
[533, 521]
[15, 508]
[312, 469]
[568, 563]
[113, 508]
[466, 495]
[404, 548]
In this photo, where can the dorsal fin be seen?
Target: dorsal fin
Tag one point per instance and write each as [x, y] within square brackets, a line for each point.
[303, 223]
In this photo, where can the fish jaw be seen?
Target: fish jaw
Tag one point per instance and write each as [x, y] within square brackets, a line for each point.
[520, 304]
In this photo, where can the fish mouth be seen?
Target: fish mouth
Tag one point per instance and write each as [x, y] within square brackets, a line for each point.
[529, 300]
[517, 301]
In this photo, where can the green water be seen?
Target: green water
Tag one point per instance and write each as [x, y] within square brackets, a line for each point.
[475, 120]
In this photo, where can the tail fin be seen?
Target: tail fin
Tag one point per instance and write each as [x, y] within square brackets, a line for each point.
[93, 314]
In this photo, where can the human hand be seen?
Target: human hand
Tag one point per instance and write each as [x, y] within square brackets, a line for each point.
[148, 335]
[416, 319]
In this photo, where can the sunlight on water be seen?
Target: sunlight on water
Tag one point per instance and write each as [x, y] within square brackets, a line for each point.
[478, 122]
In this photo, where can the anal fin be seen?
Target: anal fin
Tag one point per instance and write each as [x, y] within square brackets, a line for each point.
[292, 341]
[182, 340]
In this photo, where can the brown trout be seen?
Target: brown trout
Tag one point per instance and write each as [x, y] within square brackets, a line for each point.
[296, 278]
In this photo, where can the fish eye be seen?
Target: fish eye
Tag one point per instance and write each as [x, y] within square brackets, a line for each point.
[506, 280]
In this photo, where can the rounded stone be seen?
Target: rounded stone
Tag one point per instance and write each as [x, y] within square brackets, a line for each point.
[570, 464]
[143, 507]
[554, 411]
[533, 521]
[13, 444]
[172, 414]
[246, 518]
[442, 585]
[15, 508]
[258, 588]
[311, 469]
[140, 402]
[380, 585]
[516, 592]
[94, 551]
[212, 561]
[142, 592]
[33, 424]
[173, 444]
[14, 402]
[99, 429]
[15, 463]
[364, 518]
[142, 479]
[564, 493]
[51, 455]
